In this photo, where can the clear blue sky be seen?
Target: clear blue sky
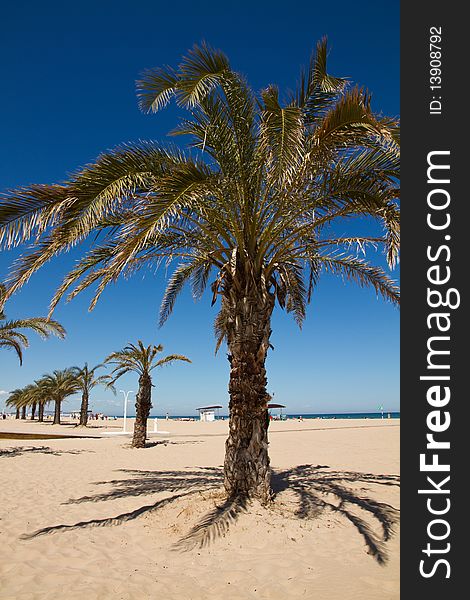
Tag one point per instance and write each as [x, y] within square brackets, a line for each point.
[68, 73]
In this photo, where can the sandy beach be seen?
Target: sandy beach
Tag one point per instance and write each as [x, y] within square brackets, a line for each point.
[89, 517]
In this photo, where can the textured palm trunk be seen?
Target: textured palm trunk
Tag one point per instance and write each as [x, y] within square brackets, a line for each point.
[246, 468]
[23, 412]
[143, 404]
[57, 413]
[33, 411]
[41, 412]
[84, 410]
[17, 413]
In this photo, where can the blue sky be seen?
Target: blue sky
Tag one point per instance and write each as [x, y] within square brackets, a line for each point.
[68, 75]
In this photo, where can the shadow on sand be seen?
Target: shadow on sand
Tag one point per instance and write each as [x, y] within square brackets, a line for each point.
[20, 450]
[314, 489]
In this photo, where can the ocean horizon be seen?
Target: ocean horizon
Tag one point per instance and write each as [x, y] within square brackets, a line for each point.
[349, 415]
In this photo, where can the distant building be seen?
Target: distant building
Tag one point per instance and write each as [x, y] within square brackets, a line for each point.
[209, 413]
[281, 417]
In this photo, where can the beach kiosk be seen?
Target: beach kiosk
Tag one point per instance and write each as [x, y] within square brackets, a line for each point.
[272, 405]
[209, 413]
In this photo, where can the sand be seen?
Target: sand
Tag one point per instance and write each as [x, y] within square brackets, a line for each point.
[91, 518]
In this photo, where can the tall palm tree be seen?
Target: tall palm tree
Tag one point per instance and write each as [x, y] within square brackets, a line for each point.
[12, 336]
[58, 385]
[87, 380]
[142, 360]
[255, 207]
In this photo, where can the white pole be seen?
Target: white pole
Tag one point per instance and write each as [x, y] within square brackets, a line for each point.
[126, 395]
[155, 426]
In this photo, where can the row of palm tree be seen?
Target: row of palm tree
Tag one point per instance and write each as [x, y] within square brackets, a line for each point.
[254, 204]
[52, 387]
[60, 384]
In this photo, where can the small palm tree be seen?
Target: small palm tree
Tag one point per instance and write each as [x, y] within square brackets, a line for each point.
[58, 386]
[21, 399]
[12, 336]
[14, 400]
[39, 394]
[142, 360]
[87, 380]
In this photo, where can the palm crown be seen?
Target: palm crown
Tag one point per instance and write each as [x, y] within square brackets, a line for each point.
[60, 384]
[139, 359]
[254, 201]
[19, 397]
[12, 335]
[87, 378]
[33, 393]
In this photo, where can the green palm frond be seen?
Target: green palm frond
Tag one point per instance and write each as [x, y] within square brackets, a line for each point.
[156, 88]
[350, 120]
[199, 73]
[282, 136]
[180, 276]
[359, 271]
[293, 284]
[40, 325]
[28, 212]
[317, 90]
[10, 342]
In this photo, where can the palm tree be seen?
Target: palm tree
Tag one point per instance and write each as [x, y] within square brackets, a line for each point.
[254, 207]
[11, 335]
[87, 380]
[57, 386]
[39, 395]
[21, 399]
[142, 360]
[14, 400]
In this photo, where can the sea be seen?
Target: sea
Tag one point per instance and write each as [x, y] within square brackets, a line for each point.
[352, 415]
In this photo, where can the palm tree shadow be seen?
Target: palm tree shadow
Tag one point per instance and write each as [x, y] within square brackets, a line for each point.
[316, 489]
[171, 443]
[20, 450]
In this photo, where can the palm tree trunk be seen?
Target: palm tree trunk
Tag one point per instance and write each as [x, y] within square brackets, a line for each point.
[33, 410]
[56, 420]
[143, 404]
[23, 412]
[246, 468]
[41, 412]
[84, 410]
[17, 413]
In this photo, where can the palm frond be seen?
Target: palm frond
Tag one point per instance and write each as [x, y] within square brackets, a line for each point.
[199, 72]
[11, 343]
[170, 359]
[28, 211]
[359, 271]
[180, 276]
[156, 88]
[282, 136]
[349, 122]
